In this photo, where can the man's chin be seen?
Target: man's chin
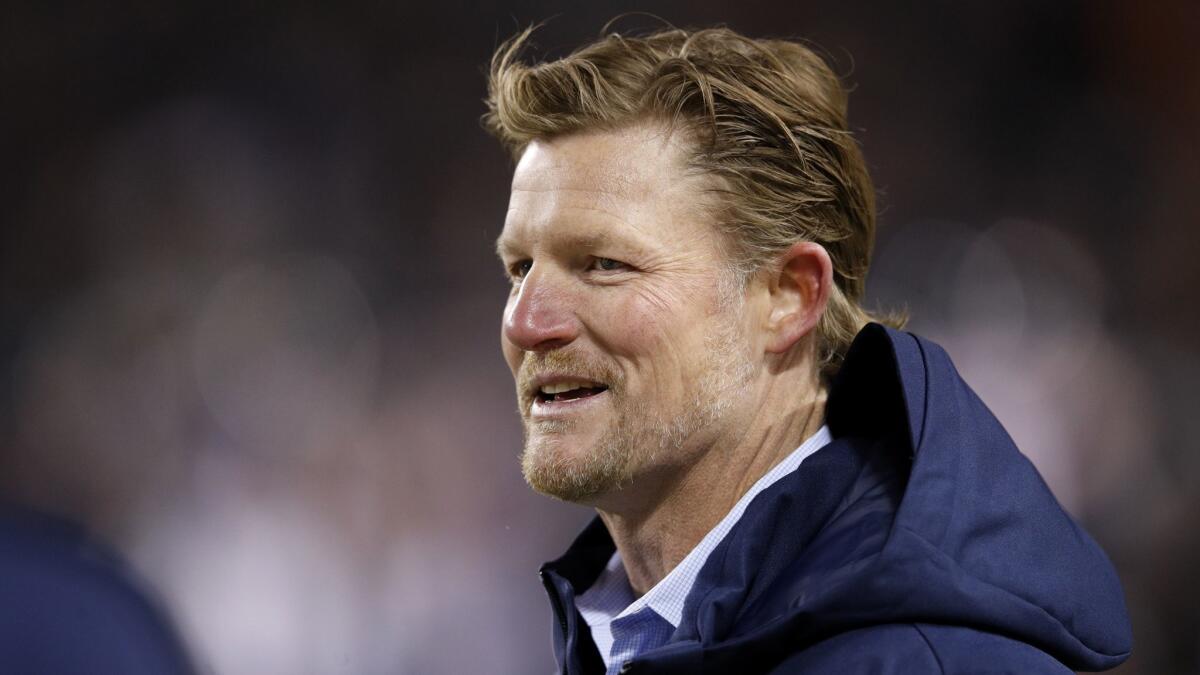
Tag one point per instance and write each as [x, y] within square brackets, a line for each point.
[571, 473]
[566, 491]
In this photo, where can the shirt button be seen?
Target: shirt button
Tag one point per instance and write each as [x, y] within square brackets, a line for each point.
[627, 667]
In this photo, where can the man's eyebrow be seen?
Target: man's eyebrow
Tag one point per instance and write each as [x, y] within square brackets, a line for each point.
[590, 240]
[503, 247]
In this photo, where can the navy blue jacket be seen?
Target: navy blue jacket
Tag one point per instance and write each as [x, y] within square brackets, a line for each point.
[919, 541]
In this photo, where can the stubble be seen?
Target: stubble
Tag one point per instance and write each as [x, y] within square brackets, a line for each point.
[641, 434]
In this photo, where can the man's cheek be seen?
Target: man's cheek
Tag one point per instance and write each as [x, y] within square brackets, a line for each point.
[668, 292]
[651, 315]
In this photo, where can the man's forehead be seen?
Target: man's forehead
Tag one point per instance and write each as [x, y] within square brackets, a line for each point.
[634, 163]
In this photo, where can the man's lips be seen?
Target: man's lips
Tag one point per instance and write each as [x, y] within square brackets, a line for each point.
[559, 392]
[566, 403]
[563, 386]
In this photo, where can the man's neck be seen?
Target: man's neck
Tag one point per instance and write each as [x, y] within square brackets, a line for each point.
[654, 539]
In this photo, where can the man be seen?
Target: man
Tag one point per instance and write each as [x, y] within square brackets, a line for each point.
[782, 484]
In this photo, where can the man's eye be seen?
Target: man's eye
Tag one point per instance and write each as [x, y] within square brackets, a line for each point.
[519, 269]
[608, 264]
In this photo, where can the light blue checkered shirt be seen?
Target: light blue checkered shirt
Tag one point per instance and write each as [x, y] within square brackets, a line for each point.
[623, 625]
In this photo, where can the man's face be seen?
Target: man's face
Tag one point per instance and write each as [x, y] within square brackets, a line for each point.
[623, 329]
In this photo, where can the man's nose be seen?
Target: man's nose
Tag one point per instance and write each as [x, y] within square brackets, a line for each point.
[541, 316]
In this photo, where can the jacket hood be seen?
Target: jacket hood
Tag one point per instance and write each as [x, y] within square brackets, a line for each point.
[977, 532]
[921, 510]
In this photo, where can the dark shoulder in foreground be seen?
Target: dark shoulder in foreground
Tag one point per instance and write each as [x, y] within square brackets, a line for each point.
[71, 607]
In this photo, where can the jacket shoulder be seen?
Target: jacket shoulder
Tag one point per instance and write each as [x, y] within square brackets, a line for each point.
[901, 649]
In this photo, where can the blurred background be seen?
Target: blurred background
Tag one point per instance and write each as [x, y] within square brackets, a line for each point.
[249, 310]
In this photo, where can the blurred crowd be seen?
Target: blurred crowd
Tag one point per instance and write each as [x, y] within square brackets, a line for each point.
[249, 308]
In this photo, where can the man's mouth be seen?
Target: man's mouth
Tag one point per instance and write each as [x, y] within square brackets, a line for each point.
[559, 392]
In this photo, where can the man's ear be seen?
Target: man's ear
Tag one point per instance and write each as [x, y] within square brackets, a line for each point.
[798, 291]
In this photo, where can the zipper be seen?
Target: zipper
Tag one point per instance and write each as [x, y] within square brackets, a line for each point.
[556, 605]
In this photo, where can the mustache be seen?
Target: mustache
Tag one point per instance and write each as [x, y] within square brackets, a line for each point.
[576, 364]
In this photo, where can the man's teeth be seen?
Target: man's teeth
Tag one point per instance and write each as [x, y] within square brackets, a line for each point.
[561, 387]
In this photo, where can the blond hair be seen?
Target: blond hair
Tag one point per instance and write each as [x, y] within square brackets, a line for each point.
[767, 119]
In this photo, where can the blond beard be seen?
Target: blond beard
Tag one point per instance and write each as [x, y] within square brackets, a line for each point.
[637, 439]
